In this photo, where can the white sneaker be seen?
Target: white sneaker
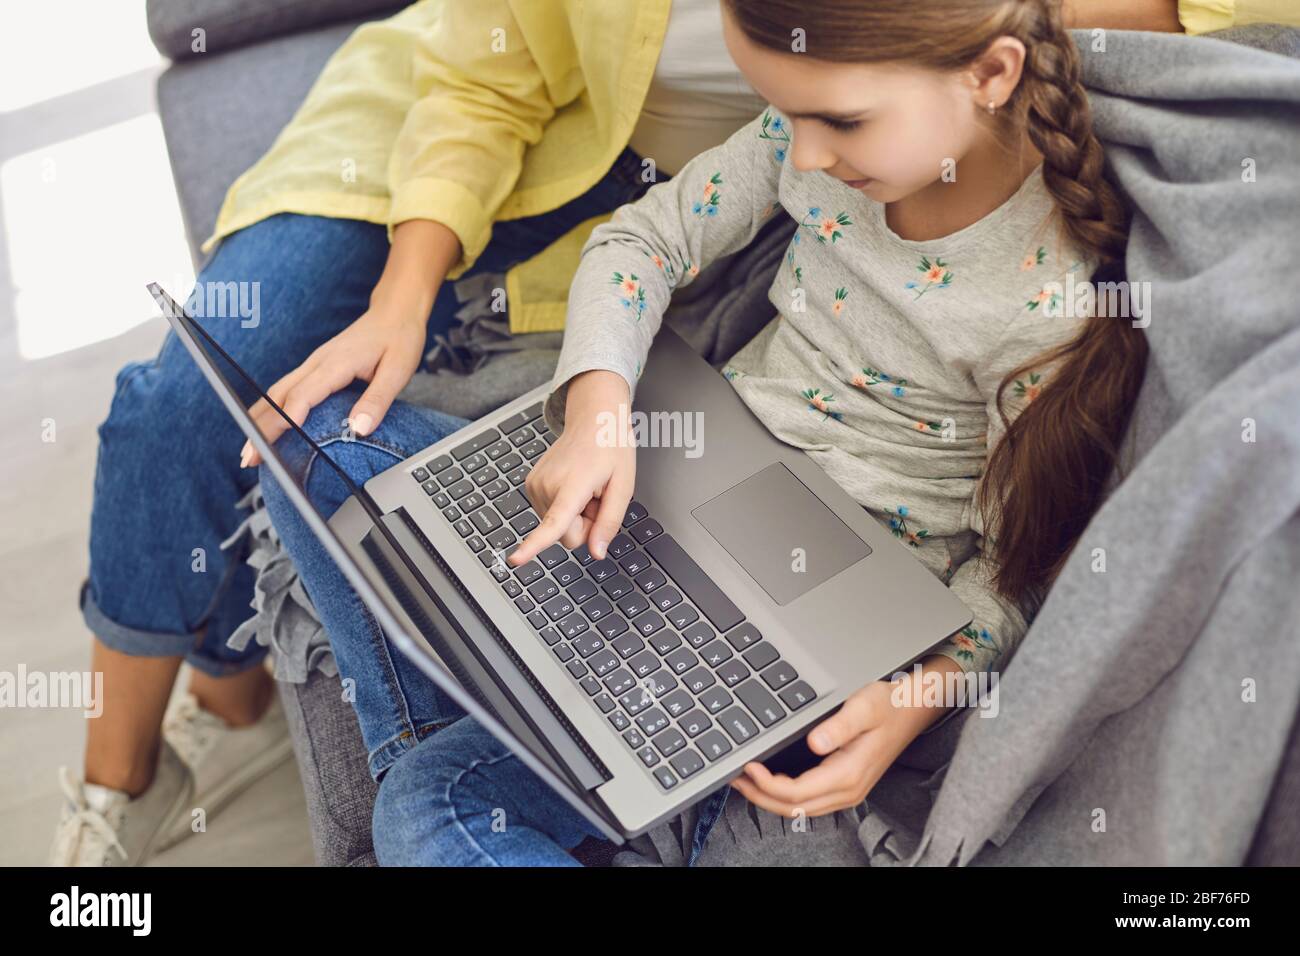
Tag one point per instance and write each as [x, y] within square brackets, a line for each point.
[101, 826]
[225, 760]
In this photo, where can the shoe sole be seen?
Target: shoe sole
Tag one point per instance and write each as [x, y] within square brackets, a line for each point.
[157, 841]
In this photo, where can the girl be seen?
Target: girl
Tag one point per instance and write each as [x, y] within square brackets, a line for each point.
[941, 167]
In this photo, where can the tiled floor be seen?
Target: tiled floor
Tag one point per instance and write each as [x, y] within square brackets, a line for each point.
[87, 216]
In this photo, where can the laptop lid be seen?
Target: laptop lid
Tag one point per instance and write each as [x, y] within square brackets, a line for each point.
[238, 392]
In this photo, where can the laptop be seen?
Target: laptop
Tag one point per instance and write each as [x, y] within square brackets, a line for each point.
[746, 597]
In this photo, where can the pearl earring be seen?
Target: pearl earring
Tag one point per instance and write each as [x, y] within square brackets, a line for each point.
[992, 108]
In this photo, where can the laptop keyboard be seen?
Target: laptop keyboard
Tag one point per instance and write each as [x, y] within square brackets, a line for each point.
[660, 650]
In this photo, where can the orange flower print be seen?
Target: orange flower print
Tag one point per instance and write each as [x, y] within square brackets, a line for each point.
[630, 293]
[840, 295]
[1031, 389]
[712, 196]
[820, 401]
[1046, 298]
[1033, 259]
[936, 274]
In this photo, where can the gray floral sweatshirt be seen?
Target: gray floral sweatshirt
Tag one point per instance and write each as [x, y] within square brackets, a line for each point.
[885, 354]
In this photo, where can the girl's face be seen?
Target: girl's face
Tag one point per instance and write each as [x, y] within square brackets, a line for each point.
[886, 129]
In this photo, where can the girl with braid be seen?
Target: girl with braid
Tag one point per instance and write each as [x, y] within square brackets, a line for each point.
[940, 162]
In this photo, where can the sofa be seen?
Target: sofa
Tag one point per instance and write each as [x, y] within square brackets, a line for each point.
[221, 107]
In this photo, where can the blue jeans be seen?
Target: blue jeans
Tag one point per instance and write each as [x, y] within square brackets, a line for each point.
[449, 792]
[168, 474]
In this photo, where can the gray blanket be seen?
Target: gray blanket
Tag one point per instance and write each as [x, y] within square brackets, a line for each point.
[1144, 716]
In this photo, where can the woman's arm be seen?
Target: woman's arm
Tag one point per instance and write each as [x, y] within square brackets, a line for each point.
[1156, 15]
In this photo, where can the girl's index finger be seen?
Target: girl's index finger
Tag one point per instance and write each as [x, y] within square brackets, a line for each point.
[567, 506]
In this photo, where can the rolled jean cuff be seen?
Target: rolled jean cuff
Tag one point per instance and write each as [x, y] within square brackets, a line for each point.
[138, 643]
[386, 754]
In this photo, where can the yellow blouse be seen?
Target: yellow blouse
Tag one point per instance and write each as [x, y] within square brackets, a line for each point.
[471, 111]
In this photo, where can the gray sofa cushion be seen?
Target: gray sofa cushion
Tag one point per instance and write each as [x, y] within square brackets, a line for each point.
[227, 24]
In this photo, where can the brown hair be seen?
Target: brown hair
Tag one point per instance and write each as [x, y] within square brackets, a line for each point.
[1049, 473]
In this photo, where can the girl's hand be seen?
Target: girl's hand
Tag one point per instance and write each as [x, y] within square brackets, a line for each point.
[383, 347]
[582, 484]
[860, 742]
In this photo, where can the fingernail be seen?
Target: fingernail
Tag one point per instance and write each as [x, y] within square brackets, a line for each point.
[820, 742]
[598, 548]
[245, 454]
[361, 424]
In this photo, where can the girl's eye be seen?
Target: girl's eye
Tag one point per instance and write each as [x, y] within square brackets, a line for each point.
[842, 126]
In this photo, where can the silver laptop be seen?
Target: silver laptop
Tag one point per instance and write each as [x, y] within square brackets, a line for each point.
[745, 598]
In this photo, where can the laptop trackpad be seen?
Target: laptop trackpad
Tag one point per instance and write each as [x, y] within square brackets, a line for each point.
[781, 533]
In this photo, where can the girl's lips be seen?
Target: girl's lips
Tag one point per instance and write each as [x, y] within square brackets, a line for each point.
[858, 183]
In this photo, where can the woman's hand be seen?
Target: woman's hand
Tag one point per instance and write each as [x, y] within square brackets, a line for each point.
[582, 484]
[859, 742]
[383, 347]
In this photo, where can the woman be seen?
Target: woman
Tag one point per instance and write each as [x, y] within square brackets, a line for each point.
[476, 137]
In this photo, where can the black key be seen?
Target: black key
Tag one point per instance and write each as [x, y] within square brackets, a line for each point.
[665, 777]
[618, 720]
[477, 443]
[652, 721]
[760, 655]
[534, 411]
[620, 682]
[699, 680]
[524, 603]
[578, 670]
[692, 580]
[549, 437]
[605, 703]
[499, 570]
[472, 502]
[686, 763]
[667, 598]
[677, 703]
[695, 723]
[582, 591]
[463, 528]
[760, 703]
[779, 674]
[651, 579]
[743, 636]
[529, 573]
[517, 476]
[452, 513]
[431, 488]
[538, 620]
[665, 641]
[450, 477]
[590, 686]
[737, 725]
[715, 699]
[587, 644]
[486, 520]
[646, 530]
[645, 663]
[520, 419]
[697, 635]
[602, 569]
[420, 474]
[552, 556]
[567, 573]
[486, 475]
[634, 738]
[636, 700]
[633, 604]
[524, 523]
[474, 462]
[476, 544]
[635, 512]
[661, 682]
[550, 635]
[648, 623]
[511, 504]
[543, 590]
[512, 588]
[501, 538]
[611, 626]
[732, 673]
[522, 437]
[683, 616]
[713, 745]
[460, 489]
[616, 587]
[597, 609]
[798, 694]
[564, 652]
[533, 449]
[669, 742]
[627, 645]
[440, 499]
[648, 756]
[438, 464]
[603, 662]
[509, 462]
[573, 625]
[490, 559]
[495, 489]
[680, 661]
[582, 554]
[620, 546]
[716, 653]
[496, 450]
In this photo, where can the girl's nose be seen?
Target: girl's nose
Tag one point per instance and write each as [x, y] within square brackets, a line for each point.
[809, 153]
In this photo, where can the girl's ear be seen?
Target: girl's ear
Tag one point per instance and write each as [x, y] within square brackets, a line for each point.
[993, 76]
